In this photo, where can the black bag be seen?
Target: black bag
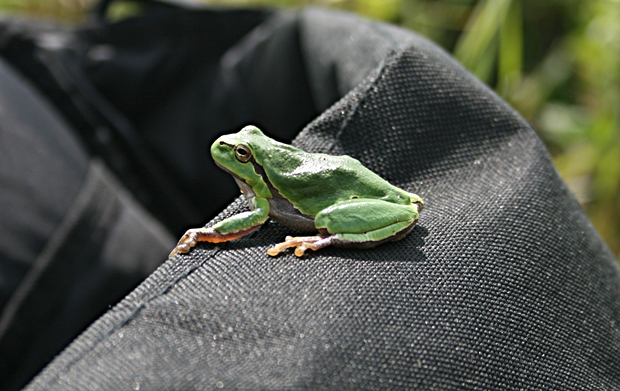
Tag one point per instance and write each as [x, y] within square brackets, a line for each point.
[503, 284]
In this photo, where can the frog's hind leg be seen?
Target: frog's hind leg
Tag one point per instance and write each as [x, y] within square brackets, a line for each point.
[355, 223]
[367, 240]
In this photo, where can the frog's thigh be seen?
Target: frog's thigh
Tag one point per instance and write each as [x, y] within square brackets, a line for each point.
[367, 220]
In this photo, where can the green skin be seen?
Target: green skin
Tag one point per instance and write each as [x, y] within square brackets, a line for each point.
[349, 205]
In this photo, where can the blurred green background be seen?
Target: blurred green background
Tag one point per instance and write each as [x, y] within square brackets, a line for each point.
[555, 61]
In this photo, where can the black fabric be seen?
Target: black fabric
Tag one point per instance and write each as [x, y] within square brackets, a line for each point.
[503, 284]
[135, 92]
[89, 263]
[37, 187]
[67, 232]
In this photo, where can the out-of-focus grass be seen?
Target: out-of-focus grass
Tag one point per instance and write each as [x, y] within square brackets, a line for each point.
[569, 89]
[58, 10]
[556, 61]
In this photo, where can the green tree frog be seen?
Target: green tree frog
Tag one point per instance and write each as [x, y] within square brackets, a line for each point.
[349, 205]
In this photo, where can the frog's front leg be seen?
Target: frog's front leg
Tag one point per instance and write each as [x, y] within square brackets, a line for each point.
[355, 223]
[232, 228]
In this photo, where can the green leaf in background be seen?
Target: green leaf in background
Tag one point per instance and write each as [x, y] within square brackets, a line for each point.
[477, 47]
[510, 60]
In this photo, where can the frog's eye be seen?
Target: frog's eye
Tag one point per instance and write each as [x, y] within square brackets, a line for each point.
[243, 153]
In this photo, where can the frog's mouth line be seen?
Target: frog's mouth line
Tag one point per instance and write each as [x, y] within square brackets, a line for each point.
[226, 170]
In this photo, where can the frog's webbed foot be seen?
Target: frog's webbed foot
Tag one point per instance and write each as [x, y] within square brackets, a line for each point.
[195, 235]
[187, 241]
[302, 243]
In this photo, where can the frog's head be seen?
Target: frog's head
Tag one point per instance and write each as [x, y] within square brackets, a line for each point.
[236, 154]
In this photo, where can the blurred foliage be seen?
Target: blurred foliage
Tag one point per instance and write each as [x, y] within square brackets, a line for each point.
[58, 10]
[556, 61]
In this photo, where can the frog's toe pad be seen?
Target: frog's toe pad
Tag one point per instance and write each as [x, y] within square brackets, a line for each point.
[302, 243]
[186, 243]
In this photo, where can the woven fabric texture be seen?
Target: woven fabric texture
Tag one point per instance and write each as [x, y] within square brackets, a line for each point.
[502, 285]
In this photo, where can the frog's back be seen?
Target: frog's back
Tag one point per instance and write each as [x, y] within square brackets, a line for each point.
[312, 182]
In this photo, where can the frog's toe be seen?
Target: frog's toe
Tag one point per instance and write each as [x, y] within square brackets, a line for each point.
[180, 249]
[278, 248]
[274, 251]
[185, 247]
[174, 252]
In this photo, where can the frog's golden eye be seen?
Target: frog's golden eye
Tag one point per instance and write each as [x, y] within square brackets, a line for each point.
[243, 153]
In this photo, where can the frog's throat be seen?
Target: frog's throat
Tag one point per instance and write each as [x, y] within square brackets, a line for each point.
[280, 208]
[260, 187]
